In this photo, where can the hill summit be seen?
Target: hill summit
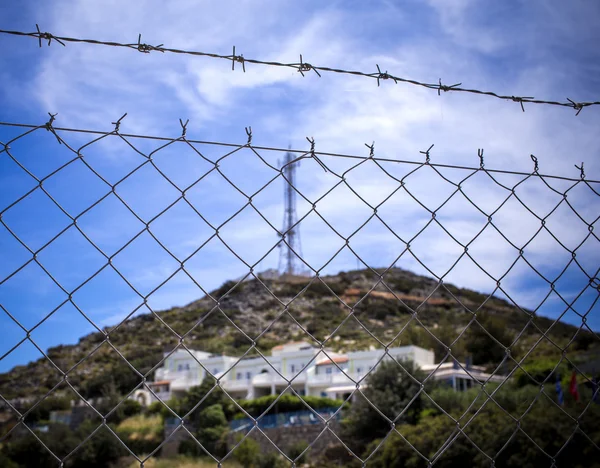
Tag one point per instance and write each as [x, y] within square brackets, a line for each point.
[352, 310]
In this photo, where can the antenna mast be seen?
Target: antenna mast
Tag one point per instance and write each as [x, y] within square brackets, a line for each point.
[291, 248]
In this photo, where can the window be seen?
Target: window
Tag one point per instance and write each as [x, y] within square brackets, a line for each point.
[238, 376]
[248, 375]
[292, 368]
[179, 368]
[359, 370]
[324, 394]
[215, 371]
[328, 370]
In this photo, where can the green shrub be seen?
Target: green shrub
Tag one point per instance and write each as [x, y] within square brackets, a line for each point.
[539, 370]
[212, 429]
[141, 433]
[43, 409]
[247, 453]
[102, 450]
[296, 452]
[392, 391]
[489, 431]
[26, 450]
[272, 460]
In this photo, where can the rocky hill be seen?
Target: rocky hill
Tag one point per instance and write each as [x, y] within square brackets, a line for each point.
[408, 309]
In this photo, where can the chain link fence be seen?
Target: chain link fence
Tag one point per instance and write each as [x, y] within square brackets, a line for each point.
[536, 393]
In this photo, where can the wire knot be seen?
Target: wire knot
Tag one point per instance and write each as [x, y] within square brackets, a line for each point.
[147, 48]
[117, 124]
[47, 37]
[371, 150]
[480, 154]
[535, 162]
[183, 127]
[249, 133]
[312, 146]
[595, 283]
[578, 106]
[384, 75]
[314, 156]
[237, 58]
[581, 170]
[446, 88]
[305, 67]
[50, 128]
[426, 153]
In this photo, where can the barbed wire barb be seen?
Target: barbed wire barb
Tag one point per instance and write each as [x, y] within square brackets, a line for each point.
[304, 66]
[520, 100]
[147, 48]
[446, 88]
[47, 36]
[578, 106]
[239, 59]
[384, 76]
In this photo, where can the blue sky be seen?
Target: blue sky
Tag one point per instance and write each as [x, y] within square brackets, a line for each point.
[542, 49]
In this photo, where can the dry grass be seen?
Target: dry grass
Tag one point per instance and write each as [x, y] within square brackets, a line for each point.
[183, 462]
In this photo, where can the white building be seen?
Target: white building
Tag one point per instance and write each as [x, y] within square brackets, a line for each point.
[306, 368]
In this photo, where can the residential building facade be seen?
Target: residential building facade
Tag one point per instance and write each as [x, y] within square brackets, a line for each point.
[306, 368]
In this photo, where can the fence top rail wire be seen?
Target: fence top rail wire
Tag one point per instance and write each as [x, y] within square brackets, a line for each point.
[302, 67]
[311, 151]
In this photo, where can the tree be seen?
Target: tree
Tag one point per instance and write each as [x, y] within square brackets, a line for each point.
[488, 433]
[212, 427]
[395, 394]
[196, 395]
[484, 348]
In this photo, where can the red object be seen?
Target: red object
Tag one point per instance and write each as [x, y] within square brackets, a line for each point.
[573, 386]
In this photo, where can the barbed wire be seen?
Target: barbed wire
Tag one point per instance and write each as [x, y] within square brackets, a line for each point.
[302, 67]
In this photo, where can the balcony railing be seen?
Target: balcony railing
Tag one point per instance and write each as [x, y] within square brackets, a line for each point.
[275, 379]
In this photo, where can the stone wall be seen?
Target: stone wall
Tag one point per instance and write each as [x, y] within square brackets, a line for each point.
[287, 437]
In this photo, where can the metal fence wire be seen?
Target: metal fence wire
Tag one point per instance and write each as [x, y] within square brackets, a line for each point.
[577, 195]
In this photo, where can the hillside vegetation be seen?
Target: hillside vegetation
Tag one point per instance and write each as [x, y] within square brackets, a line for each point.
[320, 309]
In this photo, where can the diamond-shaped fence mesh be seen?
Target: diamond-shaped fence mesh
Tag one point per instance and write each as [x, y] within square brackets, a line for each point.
[374, 365]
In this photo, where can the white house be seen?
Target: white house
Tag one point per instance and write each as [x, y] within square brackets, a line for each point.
[304, 367]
